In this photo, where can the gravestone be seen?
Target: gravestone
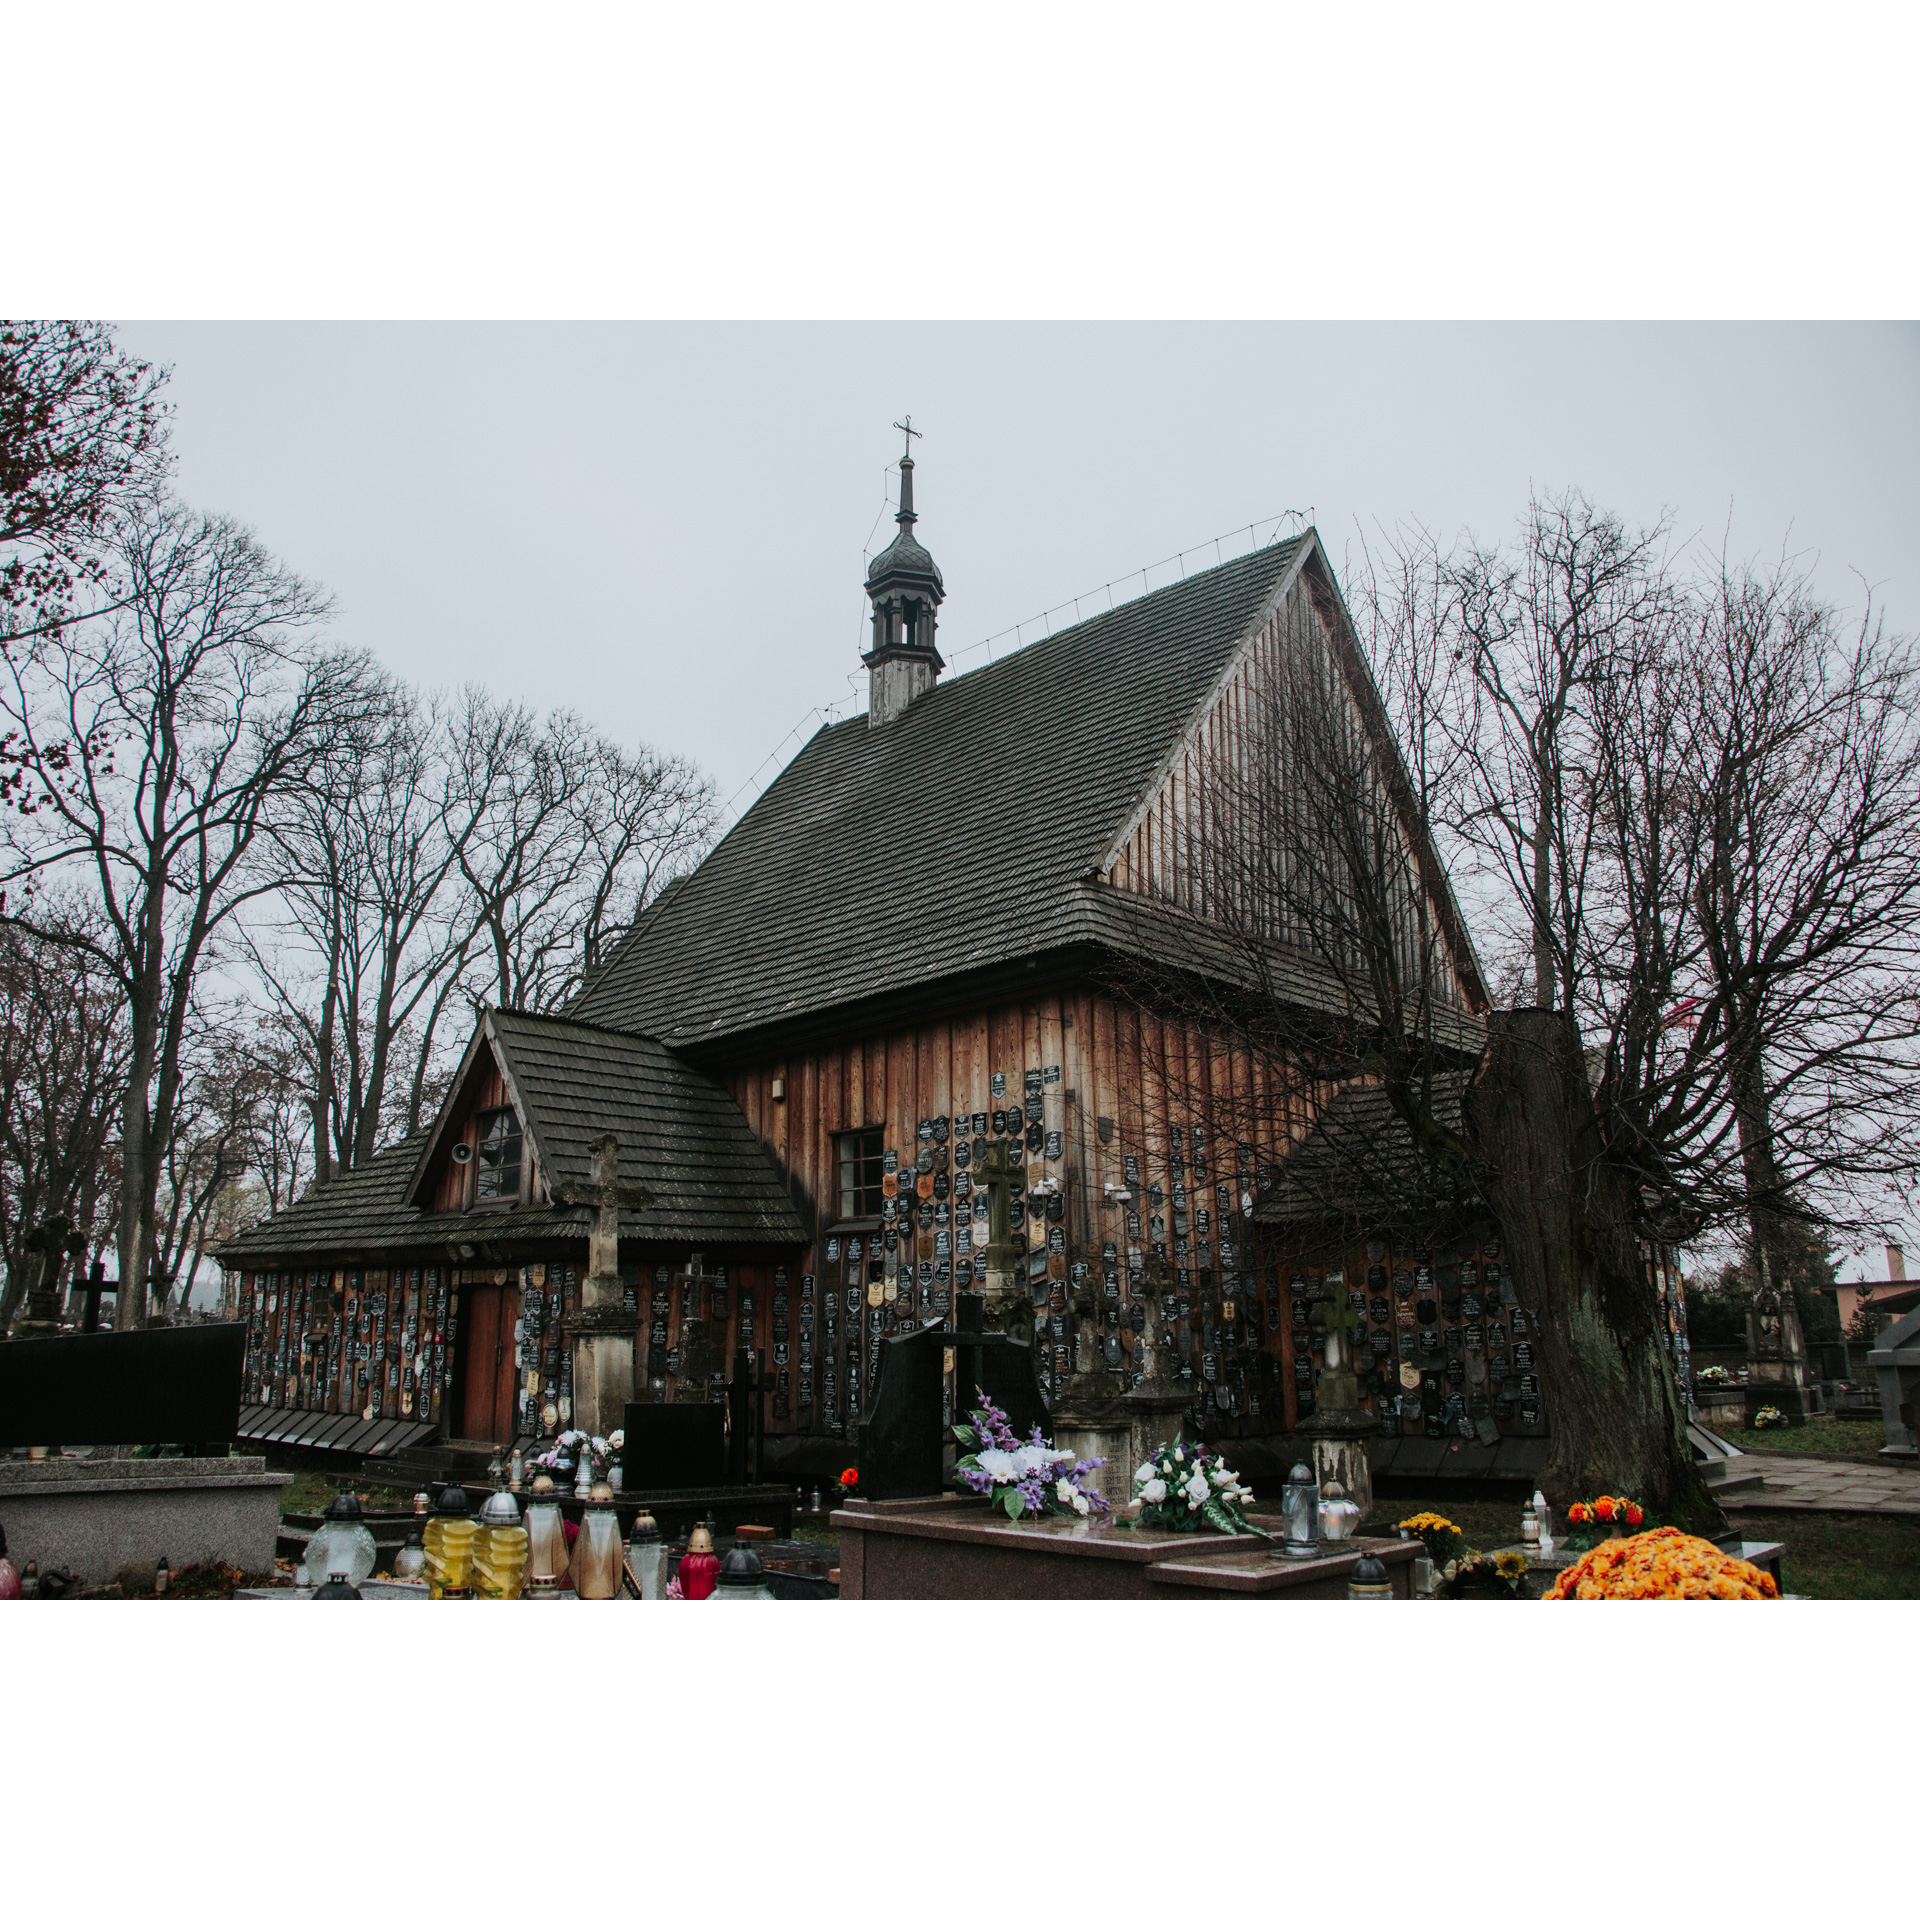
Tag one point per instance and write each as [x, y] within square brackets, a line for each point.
[177, 1386]
[1895, 1360]
[1337, 1428]
[671, 1447]
[904, 1436]
[603, 1329]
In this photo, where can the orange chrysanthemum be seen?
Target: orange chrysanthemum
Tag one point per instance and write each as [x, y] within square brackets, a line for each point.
[1663, 1565]
[1604, 1506]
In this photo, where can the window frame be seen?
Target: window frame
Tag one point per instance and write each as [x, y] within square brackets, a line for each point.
[870, 1159]
[480, 1120]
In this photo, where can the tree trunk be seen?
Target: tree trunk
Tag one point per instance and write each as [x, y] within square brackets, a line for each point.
[1617, 1423]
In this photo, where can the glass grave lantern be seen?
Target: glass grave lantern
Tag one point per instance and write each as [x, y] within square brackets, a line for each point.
[343, 1544]
[1369, 1580]
[410, 1563]
[597, 1559]
[448, 1545]
[338, 1587]
[546, 1541]
[1300, 1514]
[1338, 1516]
[646, 1559]
[699, 1566]
[742, 1577]
[500, 1551]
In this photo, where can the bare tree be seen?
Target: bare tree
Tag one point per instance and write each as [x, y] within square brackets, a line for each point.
[82, 438]
[64, 1046]
[147, 745]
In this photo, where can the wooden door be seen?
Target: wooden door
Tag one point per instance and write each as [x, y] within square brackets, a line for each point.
[488, 1380]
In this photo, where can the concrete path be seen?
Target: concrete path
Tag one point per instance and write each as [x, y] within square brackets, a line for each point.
[1801, 1483]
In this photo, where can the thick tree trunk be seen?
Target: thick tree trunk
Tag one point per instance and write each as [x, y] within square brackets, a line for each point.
[1615, 1416]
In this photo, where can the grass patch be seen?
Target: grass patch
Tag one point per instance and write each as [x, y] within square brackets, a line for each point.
[1824, 1436]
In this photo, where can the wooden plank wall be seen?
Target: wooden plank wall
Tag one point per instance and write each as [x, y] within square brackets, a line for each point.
[1174, 850]
[311, 1332]
[1143, 1083]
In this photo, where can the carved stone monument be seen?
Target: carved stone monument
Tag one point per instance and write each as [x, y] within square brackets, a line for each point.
[603, 1330]
[1777, 1350]
[1157, 1402]
[1337, 1428]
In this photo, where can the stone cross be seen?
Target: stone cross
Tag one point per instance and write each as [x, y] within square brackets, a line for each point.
[93, 1286]
[1340, 1323]
[606, 1196]
[993, 1169]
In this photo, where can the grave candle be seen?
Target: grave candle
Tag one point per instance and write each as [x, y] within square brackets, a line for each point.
[500, 1552]
[546, 1541]
[342, 1545]
[449, 1548]
[699, 1566]
[1300, 1514]
[596, 1549]
[646, 1577]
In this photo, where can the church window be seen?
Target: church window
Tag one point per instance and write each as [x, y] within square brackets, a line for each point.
[860, 1173]
[497, 1156]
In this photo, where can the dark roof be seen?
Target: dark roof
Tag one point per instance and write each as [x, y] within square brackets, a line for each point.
[680, 1136]
[981, 811]
[1358, 1162]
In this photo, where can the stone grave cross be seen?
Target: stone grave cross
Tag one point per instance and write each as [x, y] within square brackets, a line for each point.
[606, 1196]
[993, 1169]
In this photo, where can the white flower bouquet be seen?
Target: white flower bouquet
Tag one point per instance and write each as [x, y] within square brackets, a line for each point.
[1184, 1487]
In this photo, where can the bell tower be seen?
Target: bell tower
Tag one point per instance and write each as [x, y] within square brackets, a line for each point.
[906, 590]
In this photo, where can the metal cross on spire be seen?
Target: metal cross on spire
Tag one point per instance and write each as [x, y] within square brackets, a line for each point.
[912, 432]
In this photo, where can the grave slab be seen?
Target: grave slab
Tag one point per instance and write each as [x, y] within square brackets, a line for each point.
[960, 1548]
[95, 1516]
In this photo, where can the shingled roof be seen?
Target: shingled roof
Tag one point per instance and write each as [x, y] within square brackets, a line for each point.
[680, 1136]
[982, 810]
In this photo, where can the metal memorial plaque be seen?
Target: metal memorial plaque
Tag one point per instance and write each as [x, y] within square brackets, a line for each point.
[1518, 1321]
[1426, 1312]
[1523, 1355]
[1403, 1282]
[1473, 1339]
[1376, 1279]
[1451, 1337]
[1379, 1313]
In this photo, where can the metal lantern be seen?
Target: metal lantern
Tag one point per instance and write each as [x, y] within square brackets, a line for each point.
[1369, 1580]
[343, 1544]
[1339, 1516]
[742, 1577]
[1300, 1514]
[546, 1541]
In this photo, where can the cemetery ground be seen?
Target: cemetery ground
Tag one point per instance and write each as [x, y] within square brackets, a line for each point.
[1824, 1433]
[1830, 1556]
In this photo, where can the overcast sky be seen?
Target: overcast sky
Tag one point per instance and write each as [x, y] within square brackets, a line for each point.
[663, 525]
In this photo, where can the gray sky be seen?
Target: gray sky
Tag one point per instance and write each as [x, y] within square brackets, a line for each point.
[663, 524]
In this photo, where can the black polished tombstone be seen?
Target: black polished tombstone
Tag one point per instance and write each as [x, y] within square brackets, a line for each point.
[161, 1386]
[669, 1447]
[903, 1438]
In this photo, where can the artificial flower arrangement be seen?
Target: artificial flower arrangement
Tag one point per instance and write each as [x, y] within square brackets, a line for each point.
[1771, 1417]
[1022, 1479]
[1184, 1486]
[1501, 1575]
[1437, 1534]
[1610, 1510]
[1665, 1564]
[564, 1454]
[1713, 1377]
